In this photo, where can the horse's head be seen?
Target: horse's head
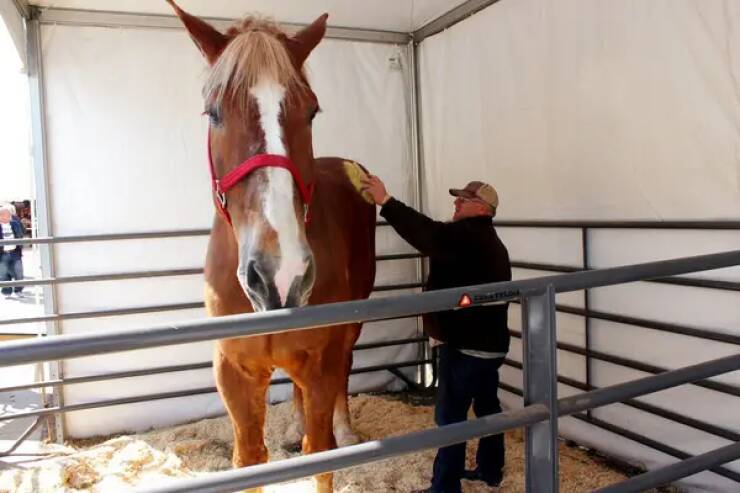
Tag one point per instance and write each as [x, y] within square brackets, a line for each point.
[260, 107]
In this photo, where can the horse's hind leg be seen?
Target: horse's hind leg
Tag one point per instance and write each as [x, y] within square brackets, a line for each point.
[294, 434]
[243, 391]
[342, 426]
[319, 382]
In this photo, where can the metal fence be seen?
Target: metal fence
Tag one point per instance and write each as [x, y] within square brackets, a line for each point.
[589, 354]
[540, 390]
[589, 314]
[51, 410]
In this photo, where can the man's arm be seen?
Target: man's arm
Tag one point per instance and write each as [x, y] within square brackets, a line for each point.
[424, 234]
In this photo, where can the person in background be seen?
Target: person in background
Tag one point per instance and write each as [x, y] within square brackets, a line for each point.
[11, 256]
[463, 252]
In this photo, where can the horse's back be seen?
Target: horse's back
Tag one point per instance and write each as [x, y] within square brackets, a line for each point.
[349, 218]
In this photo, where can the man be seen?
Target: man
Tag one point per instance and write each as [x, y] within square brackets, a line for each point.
[463, 252]
[11, 263]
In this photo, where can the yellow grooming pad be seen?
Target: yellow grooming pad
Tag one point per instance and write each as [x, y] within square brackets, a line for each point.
[355, 172]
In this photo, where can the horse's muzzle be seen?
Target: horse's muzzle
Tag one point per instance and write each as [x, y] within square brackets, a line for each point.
[268, 290]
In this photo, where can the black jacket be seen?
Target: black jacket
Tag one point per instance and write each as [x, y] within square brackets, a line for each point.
[461, 253]
[17, 227]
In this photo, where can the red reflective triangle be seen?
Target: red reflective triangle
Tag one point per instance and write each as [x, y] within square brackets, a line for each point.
[464, 301]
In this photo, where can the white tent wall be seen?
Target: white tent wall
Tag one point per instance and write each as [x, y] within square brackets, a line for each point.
[386, 15]
[580, 110]
[15, 26]
[126, 153]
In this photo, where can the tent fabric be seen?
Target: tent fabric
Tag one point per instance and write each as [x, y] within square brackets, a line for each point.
[15, 27]
[385, 15]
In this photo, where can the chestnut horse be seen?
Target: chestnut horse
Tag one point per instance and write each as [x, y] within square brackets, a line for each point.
[289, 230]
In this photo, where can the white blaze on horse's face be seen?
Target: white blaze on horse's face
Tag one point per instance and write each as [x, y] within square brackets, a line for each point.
[291, 272]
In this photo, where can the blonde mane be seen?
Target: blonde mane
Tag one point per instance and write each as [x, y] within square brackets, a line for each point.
[257, 50]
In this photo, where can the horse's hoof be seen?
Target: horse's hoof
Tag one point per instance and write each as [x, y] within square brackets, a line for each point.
[292, 447]
[345, 439]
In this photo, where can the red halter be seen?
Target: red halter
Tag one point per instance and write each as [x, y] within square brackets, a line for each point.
[228, 181]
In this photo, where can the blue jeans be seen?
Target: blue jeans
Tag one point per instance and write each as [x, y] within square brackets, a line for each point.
[11, 268]
[466, 380]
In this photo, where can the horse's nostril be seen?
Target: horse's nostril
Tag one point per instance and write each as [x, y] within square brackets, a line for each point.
[254, 278]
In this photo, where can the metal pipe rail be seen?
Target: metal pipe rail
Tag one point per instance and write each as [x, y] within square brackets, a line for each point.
[179, 393]
[120, 276]
[678, 470]
[174, 369]
[71, 346]
[698, 225]
[142, 235]
[354, 455]
[701, 225]
[332, 460]
[154, 308]
[630, 435]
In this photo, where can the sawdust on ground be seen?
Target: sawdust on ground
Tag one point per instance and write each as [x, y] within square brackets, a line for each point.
[121, 463]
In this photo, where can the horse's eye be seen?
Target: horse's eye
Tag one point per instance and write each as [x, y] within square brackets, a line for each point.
[214, 115]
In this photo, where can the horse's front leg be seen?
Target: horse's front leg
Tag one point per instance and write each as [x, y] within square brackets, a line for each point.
[319, 394]
[242, 389]
[342, 426]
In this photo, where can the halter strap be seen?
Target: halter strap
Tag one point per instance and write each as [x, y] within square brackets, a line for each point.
[233, 177]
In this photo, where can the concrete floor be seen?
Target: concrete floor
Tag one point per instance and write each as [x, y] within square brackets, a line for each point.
[30, 304]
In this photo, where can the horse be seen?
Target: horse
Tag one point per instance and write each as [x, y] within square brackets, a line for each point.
[289, 230]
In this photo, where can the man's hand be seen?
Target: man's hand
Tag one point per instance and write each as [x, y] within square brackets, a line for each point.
[376, 188]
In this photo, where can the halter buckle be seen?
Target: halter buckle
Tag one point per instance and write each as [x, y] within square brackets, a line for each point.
[220, 195]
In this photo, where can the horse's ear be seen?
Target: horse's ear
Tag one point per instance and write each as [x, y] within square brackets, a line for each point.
[307, 38]
[210, 41]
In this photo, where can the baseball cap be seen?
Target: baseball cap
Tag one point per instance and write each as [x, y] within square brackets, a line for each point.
[477, 190]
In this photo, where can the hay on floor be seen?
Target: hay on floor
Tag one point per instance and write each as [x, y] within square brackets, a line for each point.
[195, 449]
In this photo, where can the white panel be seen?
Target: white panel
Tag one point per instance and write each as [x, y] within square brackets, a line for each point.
[124, 136]
[17, 168]
[156, 414]
[543, 245]
[587, 109]
[696, 307]
[127, 153]
[621, 247]
[689, 400]
[659, 348]
[131, 255]
[636, 454]
[672, 434]
[363, 109]
[620, 448]
[483, 110]
[16, 32]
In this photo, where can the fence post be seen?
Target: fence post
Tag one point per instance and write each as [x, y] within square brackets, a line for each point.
[540, 387]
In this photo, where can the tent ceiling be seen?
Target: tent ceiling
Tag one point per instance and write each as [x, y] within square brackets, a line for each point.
[388, 15]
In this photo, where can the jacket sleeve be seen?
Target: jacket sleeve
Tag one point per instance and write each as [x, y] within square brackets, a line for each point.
[426, 235]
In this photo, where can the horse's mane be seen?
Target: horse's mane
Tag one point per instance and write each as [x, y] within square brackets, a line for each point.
[257, 50]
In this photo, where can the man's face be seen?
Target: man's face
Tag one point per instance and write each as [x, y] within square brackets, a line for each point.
[465, 208]
[4, 217]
